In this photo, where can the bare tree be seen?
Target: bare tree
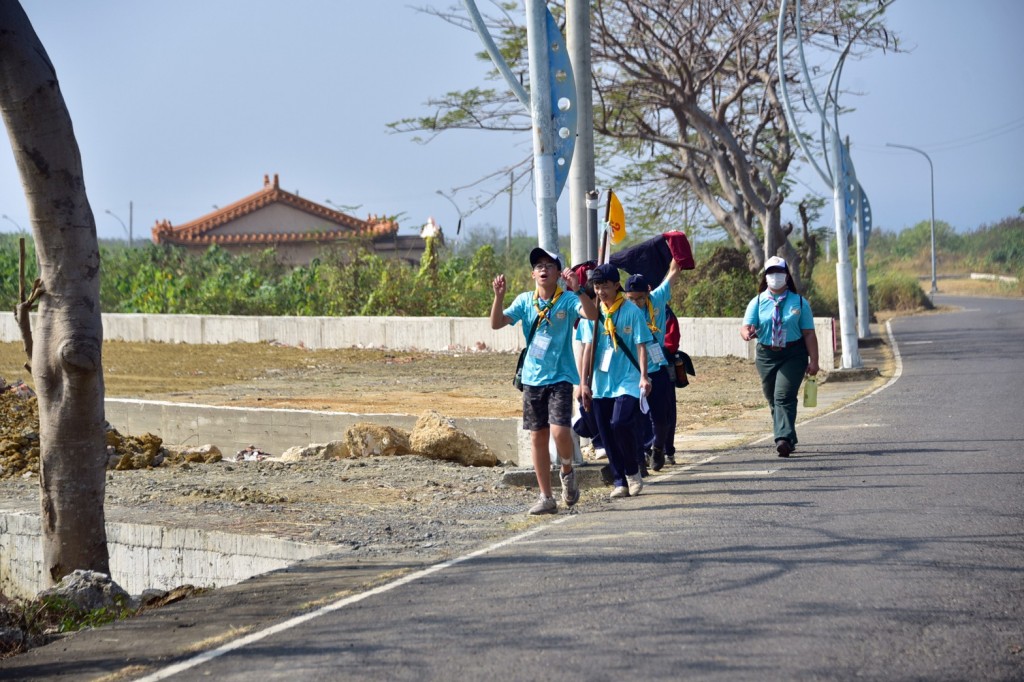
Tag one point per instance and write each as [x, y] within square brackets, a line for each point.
[66, 353]
[687, 101]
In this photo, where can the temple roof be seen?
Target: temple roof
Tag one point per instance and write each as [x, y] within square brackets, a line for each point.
[204, 230]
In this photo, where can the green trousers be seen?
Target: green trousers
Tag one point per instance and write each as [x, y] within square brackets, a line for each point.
[781, 373]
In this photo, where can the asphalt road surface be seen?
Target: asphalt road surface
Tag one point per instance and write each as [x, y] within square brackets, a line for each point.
[890, 546]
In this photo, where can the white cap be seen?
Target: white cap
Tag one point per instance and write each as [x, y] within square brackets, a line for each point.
[776, 262]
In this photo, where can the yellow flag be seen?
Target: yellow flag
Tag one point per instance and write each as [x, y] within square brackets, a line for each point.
[616, 218]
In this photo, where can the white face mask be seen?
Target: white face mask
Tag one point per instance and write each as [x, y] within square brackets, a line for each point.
[776, 280]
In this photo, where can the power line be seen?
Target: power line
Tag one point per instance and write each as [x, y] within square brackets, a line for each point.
[966, 141]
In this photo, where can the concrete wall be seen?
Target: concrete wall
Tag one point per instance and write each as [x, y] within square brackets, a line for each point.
[276, 430]
[701, 337]
[150, 556]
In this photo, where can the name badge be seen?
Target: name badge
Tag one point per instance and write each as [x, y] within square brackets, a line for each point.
[655, 353]
[606, 359]
[539, 347]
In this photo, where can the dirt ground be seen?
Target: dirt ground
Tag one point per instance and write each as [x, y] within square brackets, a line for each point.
[363, 381]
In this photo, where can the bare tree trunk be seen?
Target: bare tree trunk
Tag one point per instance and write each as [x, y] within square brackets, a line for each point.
[66, 354]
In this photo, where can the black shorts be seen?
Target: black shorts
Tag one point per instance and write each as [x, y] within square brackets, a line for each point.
[547, 405]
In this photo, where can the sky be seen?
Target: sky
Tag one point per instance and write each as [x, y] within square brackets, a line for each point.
[182, 107]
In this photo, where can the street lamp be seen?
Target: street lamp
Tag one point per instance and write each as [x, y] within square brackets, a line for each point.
[5, 217]
[457, 209]
[125, 227]
[931, 171]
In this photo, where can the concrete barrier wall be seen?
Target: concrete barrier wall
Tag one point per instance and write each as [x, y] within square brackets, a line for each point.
[151, 556]
[276, 430]
[701, 336]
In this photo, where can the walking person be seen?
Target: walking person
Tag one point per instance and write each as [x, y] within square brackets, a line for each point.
[652, 305]
[615, 363]
[548, 315]
[781, 321]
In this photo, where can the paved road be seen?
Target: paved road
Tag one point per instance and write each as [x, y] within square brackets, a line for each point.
[891, 546]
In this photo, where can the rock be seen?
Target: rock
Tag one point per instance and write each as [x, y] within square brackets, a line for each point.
[203, 454]
[436, 436]
[88, 590]
[336, 449]
[366, 439]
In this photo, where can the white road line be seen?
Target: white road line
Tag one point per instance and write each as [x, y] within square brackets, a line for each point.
[340, 604]
[744, 472]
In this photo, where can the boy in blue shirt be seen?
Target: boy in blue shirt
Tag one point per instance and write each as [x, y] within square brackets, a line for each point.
[548, 314]
[615, 356]
[658, 425]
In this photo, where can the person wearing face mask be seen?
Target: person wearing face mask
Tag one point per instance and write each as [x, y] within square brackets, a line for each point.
[783, 324]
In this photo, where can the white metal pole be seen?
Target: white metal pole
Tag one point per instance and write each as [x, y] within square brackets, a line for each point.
[844, 275]
[581, 173]
[543, 133]
[863, 304]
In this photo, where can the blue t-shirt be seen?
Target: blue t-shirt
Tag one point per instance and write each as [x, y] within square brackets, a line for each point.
[549, 359]
[796, 316]
[619, 376]
[659, 298]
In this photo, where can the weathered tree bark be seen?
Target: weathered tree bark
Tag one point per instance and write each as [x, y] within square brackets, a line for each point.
[66, 354]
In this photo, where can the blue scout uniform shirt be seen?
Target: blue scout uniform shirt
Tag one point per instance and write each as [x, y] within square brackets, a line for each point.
[659, 299]
[796, 315]
[620, 377]
[550, 358]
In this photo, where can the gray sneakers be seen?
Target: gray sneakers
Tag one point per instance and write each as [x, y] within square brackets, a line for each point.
[545, 505]
[620, 491]
[636, 484]
[570, 490]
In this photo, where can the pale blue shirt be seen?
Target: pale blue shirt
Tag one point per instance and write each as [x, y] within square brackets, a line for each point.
[796, 316]
[659, 299]
[621, 377]
[558, 362]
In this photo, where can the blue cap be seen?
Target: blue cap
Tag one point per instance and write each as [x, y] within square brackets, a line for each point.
[637, 283]
[604, 273]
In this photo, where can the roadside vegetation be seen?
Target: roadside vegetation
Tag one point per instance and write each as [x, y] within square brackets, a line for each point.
[157, 279]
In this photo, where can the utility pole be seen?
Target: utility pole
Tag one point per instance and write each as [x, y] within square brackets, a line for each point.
[582, 178]
[540, 113]
[511, 189]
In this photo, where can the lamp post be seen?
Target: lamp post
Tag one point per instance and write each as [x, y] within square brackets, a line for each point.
[126, 229]
[931, 172]
[11, 220]
[457, 209]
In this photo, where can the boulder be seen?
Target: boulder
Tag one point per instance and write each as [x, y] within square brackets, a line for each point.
[336, 449]
[366, 439]
[202, 454]
[437, 437]
[88, 591]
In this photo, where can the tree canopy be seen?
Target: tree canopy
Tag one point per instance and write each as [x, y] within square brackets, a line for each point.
[686, 103]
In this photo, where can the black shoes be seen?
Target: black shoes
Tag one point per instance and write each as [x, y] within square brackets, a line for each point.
[784, 447]
[657, 458]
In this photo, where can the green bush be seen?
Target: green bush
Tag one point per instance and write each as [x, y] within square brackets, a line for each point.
[895, 291]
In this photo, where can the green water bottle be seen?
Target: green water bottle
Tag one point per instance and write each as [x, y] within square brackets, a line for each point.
[811, 392]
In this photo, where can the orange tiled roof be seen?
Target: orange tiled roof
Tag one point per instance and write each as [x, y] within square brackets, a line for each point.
[197, 232]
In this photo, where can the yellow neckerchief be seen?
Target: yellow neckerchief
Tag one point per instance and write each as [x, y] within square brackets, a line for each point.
[650, 316]
[544, 308]
[609, 323]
